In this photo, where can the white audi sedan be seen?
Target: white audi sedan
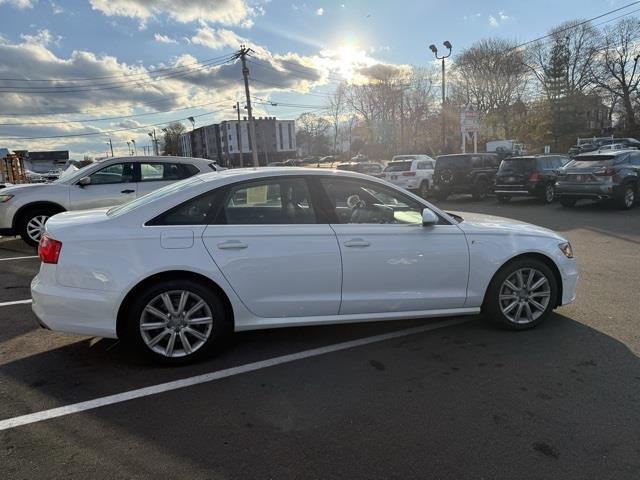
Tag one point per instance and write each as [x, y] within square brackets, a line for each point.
[174, 272]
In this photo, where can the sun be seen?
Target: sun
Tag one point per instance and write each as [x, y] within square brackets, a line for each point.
[347, 58]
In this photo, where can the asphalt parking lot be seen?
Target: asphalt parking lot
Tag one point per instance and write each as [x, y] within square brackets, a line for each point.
[452, 401]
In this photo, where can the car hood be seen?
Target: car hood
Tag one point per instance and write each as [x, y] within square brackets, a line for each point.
[23, 188]
[477, 223]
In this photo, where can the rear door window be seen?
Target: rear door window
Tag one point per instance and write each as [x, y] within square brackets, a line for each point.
[164, 172]
[398, 167]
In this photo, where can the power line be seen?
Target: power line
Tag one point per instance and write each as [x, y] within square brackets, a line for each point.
[213, 59]
[107, 132]
[102, 119]
[106, 86]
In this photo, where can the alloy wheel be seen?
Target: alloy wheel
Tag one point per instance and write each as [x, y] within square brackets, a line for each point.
[176, 323]
[629, 197]
[524, 296]
[35, 227]
[549, 193]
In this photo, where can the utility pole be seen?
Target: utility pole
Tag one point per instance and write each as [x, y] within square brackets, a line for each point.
[239, 132]
[433, 48]
[111, 146]
[253, 144]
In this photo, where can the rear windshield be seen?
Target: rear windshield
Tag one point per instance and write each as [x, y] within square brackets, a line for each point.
[453, 161]
[585, 161]
[518, 165]
[398, 167]
[403, 157]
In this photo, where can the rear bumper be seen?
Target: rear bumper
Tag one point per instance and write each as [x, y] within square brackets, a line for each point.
[598, 192]
[73, 310]
[519, 190]
[409, 183]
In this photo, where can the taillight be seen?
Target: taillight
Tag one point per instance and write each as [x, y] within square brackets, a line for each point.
[408, 174]
[49, 249]
[606, 172]
[535, 177]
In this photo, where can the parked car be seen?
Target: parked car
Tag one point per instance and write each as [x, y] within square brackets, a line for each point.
[24, 209]
[328, 159]
[369, 168]
[613, 175]
[472, 173]
[598, 143]
[533, 176]
[413, 172]
[174, 272]
[360, 158]
[309, 160]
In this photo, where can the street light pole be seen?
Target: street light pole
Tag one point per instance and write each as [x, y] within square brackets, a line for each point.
[434, 49]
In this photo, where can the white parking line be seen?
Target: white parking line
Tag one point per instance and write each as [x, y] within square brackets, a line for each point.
[15, 302]
[210, 377]
[17, 258]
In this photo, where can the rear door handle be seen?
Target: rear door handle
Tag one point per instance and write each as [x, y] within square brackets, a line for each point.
[356, 242]
[127, 191]
[232, 245]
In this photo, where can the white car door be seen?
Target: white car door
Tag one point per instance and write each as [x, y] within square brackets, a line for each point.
[390, 262]
[273, 250]
[154, 175]
[111, 185]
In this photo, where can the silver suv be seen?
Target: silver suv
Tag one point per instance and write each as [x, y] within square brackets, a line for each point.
[24, 209]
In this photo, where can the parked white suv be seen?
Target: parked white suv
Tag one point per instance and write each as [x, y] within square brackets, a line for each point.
[412, 172]
[24, 209]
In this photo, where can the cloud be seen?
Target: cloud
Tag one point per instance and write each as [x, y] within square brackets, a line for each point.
[217, 38]
[56, 8]
[320, 11]
[164, 39]
[21, 4]
[493, 21]
[42, 37]
[228, 12]
[496, 20]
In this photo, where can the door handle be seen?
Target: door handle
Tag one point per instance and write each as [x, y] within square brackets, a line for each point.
[232, 245]
[356, 242]
[127, 191]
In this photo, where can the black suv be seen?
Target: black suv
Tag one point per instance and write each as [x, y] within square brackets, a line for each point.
[614, 175]
[472, 173]
[528, 176]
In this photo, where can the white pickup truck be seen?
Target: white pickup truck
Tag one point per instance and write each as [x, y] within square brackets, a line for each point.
[412, 172]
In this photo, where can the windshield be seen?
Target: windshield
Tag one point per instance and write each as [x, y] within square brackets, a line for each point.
[398, 167]
[453, 161]
[594, 161]
[518, 165]
[153, 196]
[73, 173]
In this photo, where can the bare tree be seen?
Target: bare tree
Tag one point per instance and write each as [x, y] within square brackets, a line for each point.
[336, 106]
[491, 76]
[562, 64]
[616, 70]
[172, 138]
[311, 132]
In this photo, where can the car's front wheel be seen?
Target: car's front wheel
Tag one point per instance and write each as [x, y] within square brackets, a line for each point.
[521, 295]
[176, 322]
[549, 193]
[480, 190]
[31, 224]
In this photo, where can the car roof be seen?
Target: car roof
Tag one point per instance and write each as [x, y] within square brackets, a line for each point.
[606, 153]
[168, 158]
[467, 154]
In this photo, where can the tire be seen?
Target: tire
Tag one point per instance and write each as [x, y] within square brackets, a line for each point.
[568, 202]
[423, 191]
[503, 198]
[628, 197]
[31, 224]
[162, 329]
[480, 190]
[441, 195]
[549, 194]
[526, 308]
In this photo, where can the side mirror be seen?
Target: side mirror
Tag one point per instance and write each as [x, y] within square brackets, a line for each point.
[84, 181]
[428, 218]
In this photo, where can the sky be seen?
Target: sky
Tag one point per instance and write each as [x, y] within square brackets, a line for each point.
[116, 69]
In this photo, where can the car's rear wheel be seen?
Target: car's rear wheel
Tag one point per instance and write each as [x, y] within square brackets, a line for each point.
[521, 295]
[503, 198]
[423, 191]
[568, 202]
[480, 190]
[176, 322]
[628, 197]
[549, 193]
[31, 224]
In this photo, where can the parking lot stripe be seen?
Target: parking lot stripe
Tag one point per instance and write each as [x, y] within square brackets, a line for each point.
[14, 422]
[15, 302]
[17, 258]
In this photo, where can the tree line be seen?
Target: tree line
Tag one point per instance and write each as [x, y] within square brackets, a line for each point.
[581, 80]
